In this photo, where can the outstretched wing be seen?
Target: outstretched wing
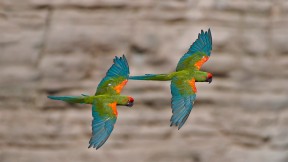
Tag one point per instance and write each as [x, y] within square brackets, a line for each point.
[198, 53]
[183, 97]
[116, 77]
[104, 118]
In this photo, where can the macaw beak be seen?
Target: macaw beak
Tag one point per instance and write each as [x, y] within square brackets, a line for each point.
[130, 104]
[209, 80]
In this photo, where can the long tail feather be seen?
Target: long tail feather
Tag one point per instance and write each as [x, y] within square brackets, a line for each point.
[159, 77]
[70, 99]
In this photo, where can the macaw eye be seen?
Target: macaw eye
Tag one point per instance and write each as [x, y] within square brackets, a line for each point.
[109, 84]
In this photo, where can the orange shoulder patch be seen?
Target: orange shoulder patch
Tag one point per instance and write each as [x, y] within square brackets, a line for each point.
[199, 63]
[113, 107]
[192, 84]
[120, 86]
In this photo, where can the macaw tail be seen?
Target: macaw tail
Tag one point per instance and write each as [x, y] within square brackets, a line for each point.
[70, 99]
[159, 77]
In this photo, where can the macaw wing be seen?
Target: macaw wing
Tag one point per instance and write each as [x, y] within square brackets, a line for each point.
[198, 53]
[104, 118]
[183, 97]
[116, 77]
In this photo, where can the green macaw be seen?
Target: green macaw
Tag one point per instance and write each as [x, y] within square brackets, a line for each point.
[105, 100]
[183, 80]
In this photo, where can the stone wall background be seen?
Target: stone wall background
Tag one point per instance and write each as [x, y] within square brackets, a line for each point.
[64, 47]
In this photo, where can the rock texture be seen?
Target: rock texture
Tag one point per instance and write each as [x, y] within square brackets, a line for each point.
[56, 47]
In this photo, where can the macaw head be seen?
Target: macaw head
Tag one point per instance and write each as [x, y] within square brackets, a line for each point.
[124, 101]
[130, 101]
[201, 76]
[209, 77]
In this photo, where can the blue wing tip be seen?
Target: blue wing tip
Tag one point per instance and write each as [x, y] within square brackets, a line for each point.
[122, 61]
[119, 68]
[206, 34]
[206, 40]
[94, 146]
[176, 125]
[202, 44]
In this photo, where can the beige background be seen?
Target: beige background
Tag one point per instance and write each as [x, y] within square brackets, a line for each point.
[64, 47]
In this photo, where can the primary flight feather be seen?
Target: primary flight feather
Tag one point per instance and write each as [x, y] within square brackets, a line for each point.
[183, 88]
[105, 101]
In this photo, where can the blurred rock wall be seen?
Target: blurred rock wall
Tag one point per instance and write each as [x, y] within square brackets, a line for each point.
[64, 47]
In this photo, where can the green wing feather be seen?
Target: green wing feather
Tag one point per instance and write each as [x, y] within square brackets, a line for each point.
[115, 79]
[103, 122]
[183, 96]
[200, 48]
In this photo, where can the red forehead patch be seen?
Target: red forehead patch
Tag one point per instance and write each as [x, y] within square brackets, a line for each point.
[131, 99]
[209, 75]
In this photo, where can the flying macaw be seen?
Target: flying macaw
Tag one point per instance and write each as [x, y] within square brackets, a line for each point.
[105, 100]
[183, 80]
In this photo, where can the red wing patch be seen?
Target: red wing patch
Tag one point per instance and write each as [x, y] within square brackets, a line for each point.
[192, 84]
[120, 86]
[199, 63]
[113, 107]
